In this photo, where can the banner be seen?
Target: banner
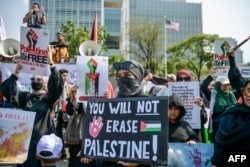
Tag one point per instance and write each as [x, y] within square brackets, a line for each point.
[24, 82]
[33, 50]
[15, 133]
[127, 129]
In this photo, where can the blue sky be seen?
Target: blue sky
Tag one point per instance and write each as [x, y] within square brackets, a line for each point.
[227, 18]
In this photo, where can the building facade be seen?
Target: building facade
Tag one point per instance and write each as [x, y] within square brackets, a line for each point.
[116, 14]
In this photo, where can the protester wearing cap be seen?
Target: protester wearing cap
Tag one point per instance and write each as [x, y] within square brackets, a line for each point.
[60, 52]
[171, 77]
[49, 150]
[224, 98]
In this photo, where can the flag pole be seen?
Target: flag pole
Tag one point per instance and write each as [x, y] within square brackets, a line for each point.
[165, 48]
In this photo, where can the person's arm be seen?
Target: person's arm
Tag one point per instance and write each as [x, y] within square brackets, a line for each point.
[62, 44]
[55, 83]
[235, 78]
[9, 89]
[44, 21]
[27, 16]
[204, 87]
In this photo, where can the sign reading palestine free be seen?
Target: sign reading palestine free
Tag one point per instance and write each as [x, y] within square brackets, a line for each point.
[127, 129]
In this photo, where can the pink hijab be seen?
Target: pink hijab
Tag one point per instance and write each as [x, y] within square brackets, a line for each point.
[184, 71]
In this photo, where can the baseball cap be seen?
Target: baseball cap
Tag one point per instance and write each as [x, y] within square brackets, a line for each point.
[172, 76]
[223, 80]
[49, 147]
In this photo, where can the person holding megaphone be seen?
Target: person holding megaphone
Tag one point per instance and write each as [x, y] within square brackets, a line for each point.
[35, 17]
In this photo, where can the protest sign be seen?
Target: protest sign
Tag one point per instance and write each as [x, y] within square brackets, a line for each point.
[92, 77]
[127, 129]
[185, 155]
[189, 92]
[33, 50]
[15, 134]
[221, 62]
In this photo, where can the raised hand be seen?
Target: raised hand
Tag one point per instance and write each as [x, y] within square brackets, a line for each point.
[19, 66]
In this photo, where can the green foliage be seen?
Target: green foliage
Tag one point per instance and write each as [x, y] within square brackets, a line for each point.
[74, 35]
[194, 53]
[112, 59]
[77, 35]
[102, 37]
[145, 43]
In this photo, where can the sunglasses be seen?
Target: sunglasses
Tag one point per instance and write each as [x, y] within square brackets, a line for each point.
[36, 79]
[183, 79]
[123, 65]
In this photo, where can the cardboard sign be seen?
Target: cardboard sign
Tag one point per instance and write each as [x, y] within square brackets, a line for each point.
[33, 50]
[127, 129]
[189, 92]
[92, 77]
[221, 62]
[15, 133]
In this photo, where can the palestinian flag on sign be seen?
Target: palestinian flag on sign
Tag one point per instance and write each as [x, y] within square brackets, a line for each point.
[150, 126]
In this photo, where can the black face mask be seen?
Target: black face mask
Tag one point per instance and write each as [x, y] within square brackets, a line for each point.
[128, 87]
[36, 85]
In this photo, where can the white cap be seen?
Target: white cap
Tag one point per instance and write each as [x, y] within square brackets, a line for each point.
[50, 143]
[223, 80]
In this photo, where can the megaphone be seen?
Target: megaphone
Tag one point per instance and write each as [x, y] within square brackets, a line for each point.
[9, 48]
[89, 48]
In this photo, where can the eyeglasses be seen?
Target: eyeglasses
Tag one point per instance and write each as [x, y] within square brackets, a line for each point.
[183, 79]
[36, 79]
[123, 65]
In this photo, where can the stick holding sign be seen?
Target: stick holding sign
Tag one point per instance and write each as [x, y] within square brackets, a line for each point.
[243, 42]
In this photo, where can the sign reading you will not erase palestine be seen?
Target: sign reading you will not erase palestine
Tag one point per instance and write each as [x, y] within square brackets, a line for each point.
[127, 129]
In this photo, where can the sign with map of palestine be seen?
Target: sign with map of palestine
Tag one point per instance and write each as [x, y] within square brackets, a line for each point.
[15, 133]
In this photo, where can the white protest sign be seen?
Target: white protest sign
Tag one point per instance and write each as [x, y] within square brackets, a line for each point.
[92, 77]
[189, 92]
[33, 50]
[15, 127]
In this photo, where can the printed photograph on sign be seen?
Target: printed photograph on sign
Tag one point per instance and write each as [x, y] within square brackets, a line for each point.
[92, 77]
[33, 50]
[15, 134]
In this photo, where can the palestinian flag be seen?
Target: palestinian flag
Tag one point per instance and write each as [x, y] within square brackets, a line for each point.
[150, 126]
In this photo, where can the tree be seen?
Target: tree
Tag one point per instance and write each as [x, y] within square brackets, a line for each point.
[145, 43]
[193, 53]
[112, 59]
[77, 35]
[74, 35]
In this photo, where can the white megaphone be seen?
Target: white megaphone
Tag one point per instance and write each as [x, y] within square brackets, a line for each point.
[89, 48]
[9, 48]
